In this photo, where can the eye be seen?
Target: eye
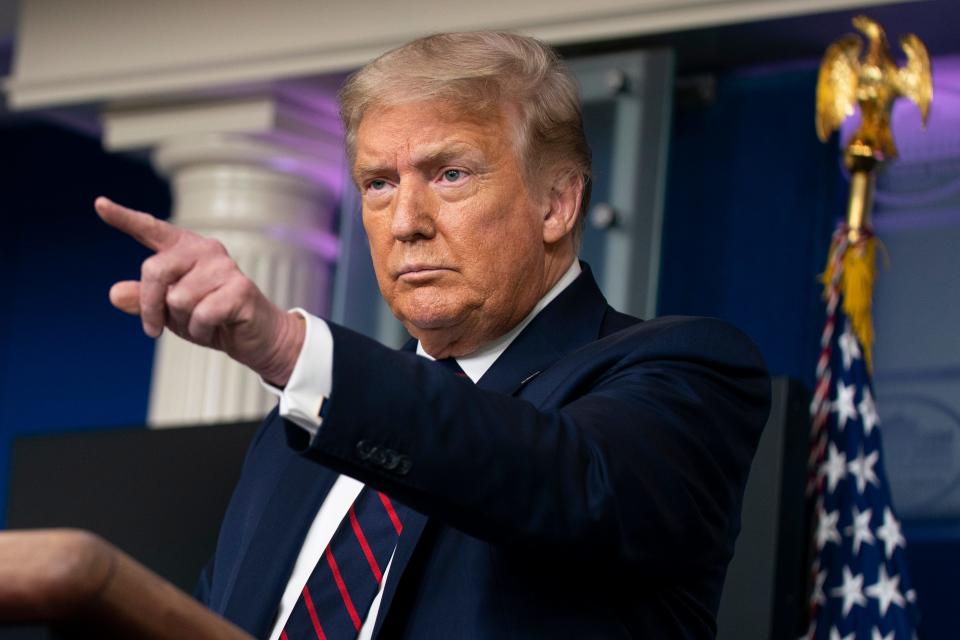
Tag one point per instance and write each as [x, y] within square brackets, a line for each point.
[452, 175]
[377, 185]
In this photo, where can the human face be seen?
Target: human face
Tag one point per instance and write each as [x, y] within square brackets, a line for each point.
[455, 232]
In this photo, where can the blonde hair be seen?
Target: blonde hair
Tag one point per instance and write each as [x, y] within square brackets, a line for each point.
[485, 73]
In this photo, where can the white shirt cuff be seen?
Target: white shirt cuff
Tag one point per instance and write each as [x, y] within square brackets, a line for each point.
[312, 377]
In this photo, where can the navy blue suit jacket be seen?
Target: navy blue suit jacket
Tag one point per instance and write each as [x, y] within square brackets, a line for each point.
[588, 486]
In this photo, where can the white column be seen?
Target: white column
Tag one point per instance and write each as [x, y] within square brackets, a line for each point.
[261, 172]
[268, 203]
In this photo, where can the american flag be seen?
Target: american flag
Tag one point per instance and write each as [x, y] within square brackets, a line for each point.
[860, 584]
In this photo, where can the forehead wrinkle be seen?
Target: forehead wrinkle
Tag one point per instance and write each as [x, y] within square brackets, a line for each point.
[372, 162]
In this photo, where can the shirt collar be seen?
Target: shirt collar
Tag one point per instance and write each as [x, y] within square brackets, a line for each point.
[477, 363]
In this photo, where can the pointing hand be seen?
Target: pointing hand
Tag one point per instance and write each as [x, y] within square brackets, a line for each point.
[193, 287]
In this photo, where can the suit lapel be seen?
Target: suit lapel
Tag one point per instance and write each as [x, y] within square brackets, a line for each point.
[413, 528]
[571, 320]
[275, 545]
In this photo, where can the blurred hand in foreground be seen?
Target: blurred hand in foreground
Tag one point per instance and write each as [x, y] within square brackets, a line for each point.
[192, 286]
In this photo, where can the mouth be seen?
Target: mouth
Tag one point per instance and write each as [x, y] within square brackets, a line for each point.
[416, 273]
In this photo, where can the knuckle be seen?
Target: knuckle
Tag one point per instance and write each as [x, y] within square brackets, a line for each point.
[246, 287]
[153, 269]
[206, 317]
[215, 246]
[178, 298]
[203, 316]
[206, 245]
[225, 264]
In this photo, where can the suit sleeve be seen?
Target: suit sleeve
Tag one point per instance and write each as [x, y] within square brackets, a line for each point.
[640, 462]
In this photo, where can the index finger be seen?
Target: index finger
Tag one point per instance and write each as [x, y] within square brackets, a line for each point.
[144, 228]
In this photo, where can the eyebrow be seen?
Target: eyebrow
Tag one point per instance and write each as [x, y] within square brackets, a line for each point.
[362, 170]
[445, 155]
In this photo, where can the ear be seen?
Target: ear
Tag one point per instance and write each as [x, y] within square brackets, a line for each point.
[563, 202]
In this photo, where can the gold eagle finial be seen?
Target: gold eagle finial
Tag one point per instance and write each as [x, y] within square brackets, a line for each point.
[874, 83]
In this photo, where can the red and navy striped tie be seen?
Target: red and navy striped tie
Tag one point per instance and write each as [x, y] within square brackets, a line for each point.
[337, 597]
[334, 603]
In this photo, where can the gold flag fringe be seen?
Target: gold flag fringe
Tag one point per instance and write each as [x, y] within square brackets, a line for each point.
[859, 264]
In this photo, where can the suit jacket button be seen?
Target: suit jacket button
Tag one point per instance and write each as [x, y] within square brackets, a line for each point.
[365, 449]
[392, 459]
[403, 465]
[378, 457]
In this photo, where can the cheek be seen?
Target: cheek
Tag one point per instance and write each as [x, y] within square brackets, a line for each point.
[379, 242]
[501, 249]
[377, 227]
[510, 230]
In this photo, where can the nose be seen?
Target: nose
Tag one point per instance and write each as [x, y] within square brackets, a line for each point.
[413, 212]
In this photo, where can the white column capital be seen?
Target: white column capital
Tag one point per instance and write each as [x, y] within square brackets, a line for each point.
[304, 112]
[238, 186]
[315, 170]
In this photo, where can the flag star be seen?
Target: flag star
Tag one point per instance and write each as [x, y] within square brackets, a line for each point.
[911, 595]
[835, 635]
[890, 533]
[818, 596]
[851, 591]
[834, 467]
[868, 411]
[861, 468]
[876, 635]
[827, 528]
[849, 347]
[886, 590]
[860, 529]
[843, 405]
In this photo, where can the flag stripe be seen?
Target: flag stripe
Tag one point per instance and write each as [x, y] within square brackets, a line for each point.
[858, 588]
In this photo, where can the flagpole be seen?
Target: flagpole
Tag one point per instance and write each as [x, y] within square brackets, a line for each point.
[862, 184]
[860, 584]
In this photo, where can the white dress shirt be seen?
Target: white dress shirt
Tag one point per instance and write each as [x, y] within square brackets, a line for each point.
[300, 402]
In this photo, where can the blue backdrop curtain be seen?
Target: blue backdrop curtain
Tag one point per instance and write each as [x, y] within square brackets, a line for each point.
[752, 197]
[68, 360]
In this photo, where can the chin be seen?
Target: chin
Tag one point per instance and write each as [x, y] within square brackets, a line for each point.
[427, 322]
[433, 308]
[431, 317]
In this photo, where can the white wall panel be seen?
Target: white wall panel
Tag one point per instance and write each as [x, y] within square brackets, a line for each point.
[91, 50]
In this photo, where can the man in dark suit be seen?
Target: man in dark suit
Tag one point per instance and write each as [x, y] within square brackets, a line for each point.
[578, 473]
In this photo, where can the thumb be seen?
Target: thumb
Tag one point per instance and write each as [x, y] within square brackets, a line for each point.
[126, 296]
